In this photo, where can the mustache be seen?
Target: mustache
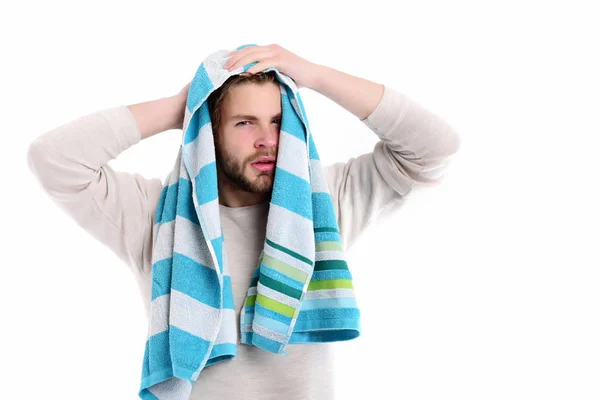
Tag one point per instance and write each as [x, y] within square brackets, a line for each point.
[257, 157]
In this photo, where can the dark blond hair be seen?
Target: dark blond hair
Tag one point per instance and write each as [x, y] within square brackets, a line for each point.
[217, 98]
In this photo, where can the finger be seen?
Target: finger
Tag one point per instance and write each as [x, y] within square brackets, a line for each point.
[235, 55]
[261, 66]
[247, 59]
[236, 60]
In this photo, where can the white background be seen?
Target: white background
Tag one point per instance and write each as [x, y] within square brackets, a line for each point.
[483, 287]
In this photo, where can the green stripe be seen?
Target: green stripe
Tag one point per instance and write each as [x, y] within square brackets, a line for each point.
[282, 267]
[280, 287]
[254, 282]
[325, 230]
[275, 305]
[329, 246]
[251, 300]
[331, 284]
[330, 264]
[288, 251]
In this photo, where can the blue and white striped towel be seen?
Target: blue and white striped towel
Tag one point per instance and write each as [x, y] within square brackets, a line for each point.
[302, 288]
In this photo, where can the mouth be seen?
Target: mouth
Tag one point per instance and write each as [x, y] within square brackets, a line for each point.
[264, 164]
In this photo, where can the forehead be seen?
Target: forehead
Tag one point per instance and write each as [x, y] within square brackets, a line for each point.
[262, 100]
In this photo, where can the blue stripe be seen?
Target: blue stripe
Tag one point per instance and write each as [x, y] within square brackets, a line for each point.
[161, 204]
[260, 310]
[169, 204]
[158, 345]
[227, 293]
[265, 344]
[200, 88]
[290, 122]
[328, 237]
[221, 352]
[189, 351]
[185, 206]
[193, 129]
[146, 395]
[352, 325]
[246, 337]
[196, 280]
[248, 317]
[278, 276]
[146, 363]
[299, 201]
[161, 277]
[331, 274]
[322, 217]
[176, 200]
[271, 324]
[206, 193]
[325, 314]
[200, 118]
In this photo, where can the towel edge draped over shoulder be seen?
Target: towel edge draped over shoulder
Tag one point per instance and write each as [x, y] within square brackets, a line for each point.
[301, 290]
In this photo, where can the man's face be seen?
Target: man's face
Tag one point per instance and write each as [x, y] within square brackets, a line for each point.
[249, 130]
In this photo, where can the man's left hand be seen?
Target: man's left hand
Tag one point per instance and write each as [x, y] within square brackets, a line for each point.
[302, 71]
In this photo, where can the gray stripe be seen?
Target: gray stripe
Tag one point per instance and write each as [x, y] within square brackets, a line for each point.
[318, 183]
[292, 155]
[172, 389]
[276, 336]
[205, 152]
[296, 234]
[209, 212]
[328, 293]
[159, 312]
[228, 333]
[329, 255]
[193, 316]
[194, 246]
[163, 242]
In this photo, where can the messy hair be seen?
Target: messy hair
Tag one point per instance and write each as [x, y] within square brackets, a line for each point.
[217, 98]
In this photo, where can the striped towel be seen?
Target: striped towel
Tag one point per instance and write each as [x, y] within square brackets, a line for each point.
[301, 291]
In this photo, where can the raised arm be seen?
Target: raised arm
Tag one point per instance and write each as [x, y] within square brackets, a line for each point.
[414, 150]
[71, 164]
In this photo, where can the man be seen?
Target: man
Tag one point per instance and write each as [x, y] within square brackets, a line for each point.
[118, 208]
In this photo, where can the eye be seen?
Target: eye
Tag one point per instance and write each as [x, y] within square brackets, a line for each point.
[278, 119]
[241, 123]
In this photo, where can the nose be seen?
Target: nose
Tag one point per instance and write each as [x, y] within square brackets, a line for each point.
[268, 137]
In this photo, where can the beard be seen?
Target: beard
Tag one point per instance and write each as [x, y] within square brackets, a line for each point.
[233, 169]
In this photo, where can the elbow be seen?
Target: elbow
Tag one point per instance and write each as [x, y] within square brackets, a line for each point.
[436, 164]
[53, 171]
[448, 143]
[35, 157]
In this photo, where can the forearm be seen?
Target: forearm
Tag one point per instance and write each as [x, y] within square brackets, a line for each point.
[159, 115]
[357, 95]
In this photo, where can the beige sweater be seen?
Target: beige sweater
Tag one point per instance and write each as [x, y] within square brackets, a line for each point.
[118, 209]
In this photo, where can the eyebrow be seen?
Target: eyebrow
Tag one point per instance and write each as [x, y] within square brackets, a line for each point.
[251, 117]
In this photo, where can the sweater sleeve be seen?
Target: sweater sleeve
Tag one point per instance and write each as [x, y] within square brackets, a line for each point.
[414, 150]
[71, 164]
